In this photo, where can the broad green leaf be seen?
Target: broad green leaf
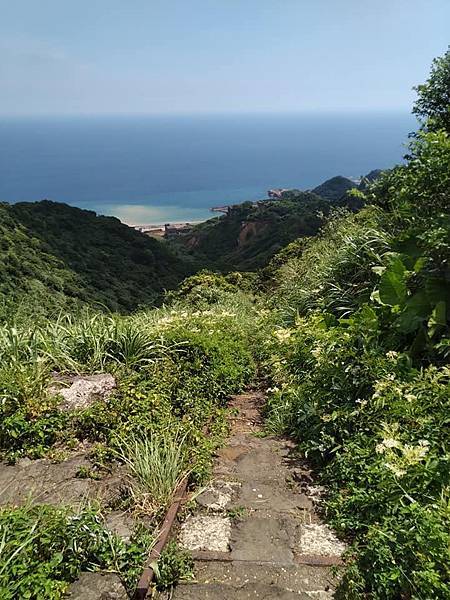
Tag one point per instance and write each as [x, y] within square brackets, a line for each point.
[369, 317]
[438, 318]
[437, 289]
[419, 303]
[392, 287]
[408, 321]
[408, 246]
[419, 264]
[419, 343]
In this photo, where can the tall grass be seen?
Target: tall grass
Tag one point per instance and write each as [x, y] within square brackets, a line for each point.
[133, 345]
[78, 343]
[157, 463]
[334, 272]
[85, 343]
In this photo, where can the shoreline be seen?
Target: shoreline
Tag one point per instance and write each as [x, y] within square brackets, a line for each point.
[162, 225]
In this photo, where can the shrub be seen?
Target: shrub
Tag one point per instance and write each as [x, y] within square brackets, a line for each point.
[375, 427]
[174, 565]
[43, 549]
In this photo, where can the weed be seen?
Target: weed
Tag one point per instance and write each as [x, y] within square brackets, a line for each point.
[174, 564]
[43, 549]
[157, 463]
[85, 472]
[236, 513]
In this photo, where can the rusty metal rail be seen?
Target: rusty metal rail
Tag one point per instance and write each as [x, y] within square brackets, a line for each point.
[148, 573]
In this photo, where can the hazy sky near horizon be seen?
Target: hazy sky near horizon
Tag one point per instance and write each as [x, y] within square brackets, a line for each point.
[201, 56]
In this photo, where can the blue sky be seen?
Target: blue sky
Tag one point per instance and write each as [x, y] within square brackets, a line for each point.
[203, 56]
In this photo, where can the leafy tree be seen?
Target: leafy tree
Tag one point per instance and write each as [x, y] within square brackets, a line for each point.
[433, 103]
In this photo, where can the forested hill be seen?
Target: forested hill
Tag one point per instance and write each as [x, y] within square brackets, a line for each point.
[251, 233]
[336, 189]
[333, 189]
[60, 256]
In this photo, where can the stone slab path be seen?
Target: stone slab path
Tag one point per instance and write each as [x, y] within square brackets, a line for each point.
[255, 532]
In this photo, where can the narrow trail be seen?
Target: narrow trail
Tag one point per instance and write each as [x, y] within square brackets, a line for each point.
[255, 532]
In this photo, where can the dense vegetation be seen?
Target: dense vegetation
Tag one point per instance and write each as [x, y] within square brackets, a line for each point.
[349, 326]
[359, 362]
[174, 367]
[335, 188]
[56, 256]
[250, 234]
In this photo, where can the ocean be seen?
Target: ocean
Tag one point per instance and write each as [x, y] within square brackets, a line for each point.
[147, 170]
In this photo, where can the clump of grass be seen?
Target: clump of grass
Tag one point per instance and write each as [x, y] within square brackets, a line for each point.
[133, 346]
[77, 343]
[157, 463]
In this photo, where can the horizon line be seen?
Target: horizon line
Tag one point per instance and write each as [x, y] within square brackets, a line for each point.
[306, 111]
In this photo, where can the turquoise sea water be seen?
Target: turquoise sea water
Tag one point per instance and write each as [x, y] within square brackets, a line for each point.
[159, 169]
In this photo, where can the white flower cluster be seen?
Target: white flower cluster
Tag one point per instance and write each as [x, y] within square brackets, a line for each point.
[282, 335]
[400, 456]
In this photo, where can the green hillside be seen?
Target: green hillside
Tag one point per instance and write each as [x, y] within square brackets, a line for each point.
[54, 255]
[250, 234]
[333, 189]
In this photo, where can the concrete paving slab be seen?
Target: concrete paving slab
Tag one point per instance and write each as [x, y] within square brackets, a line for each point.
[218, 495]
[295, 577]
[252, 590]
[260, 465]
[48, 482]
[206, 532]
[261, 539]
[97, 586]
[277, 499]
[45, 481]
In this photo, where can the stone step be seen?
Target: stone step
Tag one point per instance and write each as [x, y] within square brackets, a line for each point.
[245, 592]
[264, 539]
[97, 586]
[218, 580]
[256, 533]
[295, 577]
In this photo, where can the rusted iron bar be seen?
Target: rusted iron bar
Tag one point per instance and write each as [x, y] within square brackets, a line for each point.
[148, 573]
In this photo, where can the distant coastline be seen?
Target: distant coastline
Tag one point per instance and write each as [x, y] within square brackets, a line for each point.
[166, 230]
[172, 170]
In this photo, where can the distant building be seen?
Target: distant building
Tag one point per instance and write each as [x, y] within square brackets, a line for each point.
[169, 230]
[222, 209]
[276, 193]
[172, 230]
[156, 231]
